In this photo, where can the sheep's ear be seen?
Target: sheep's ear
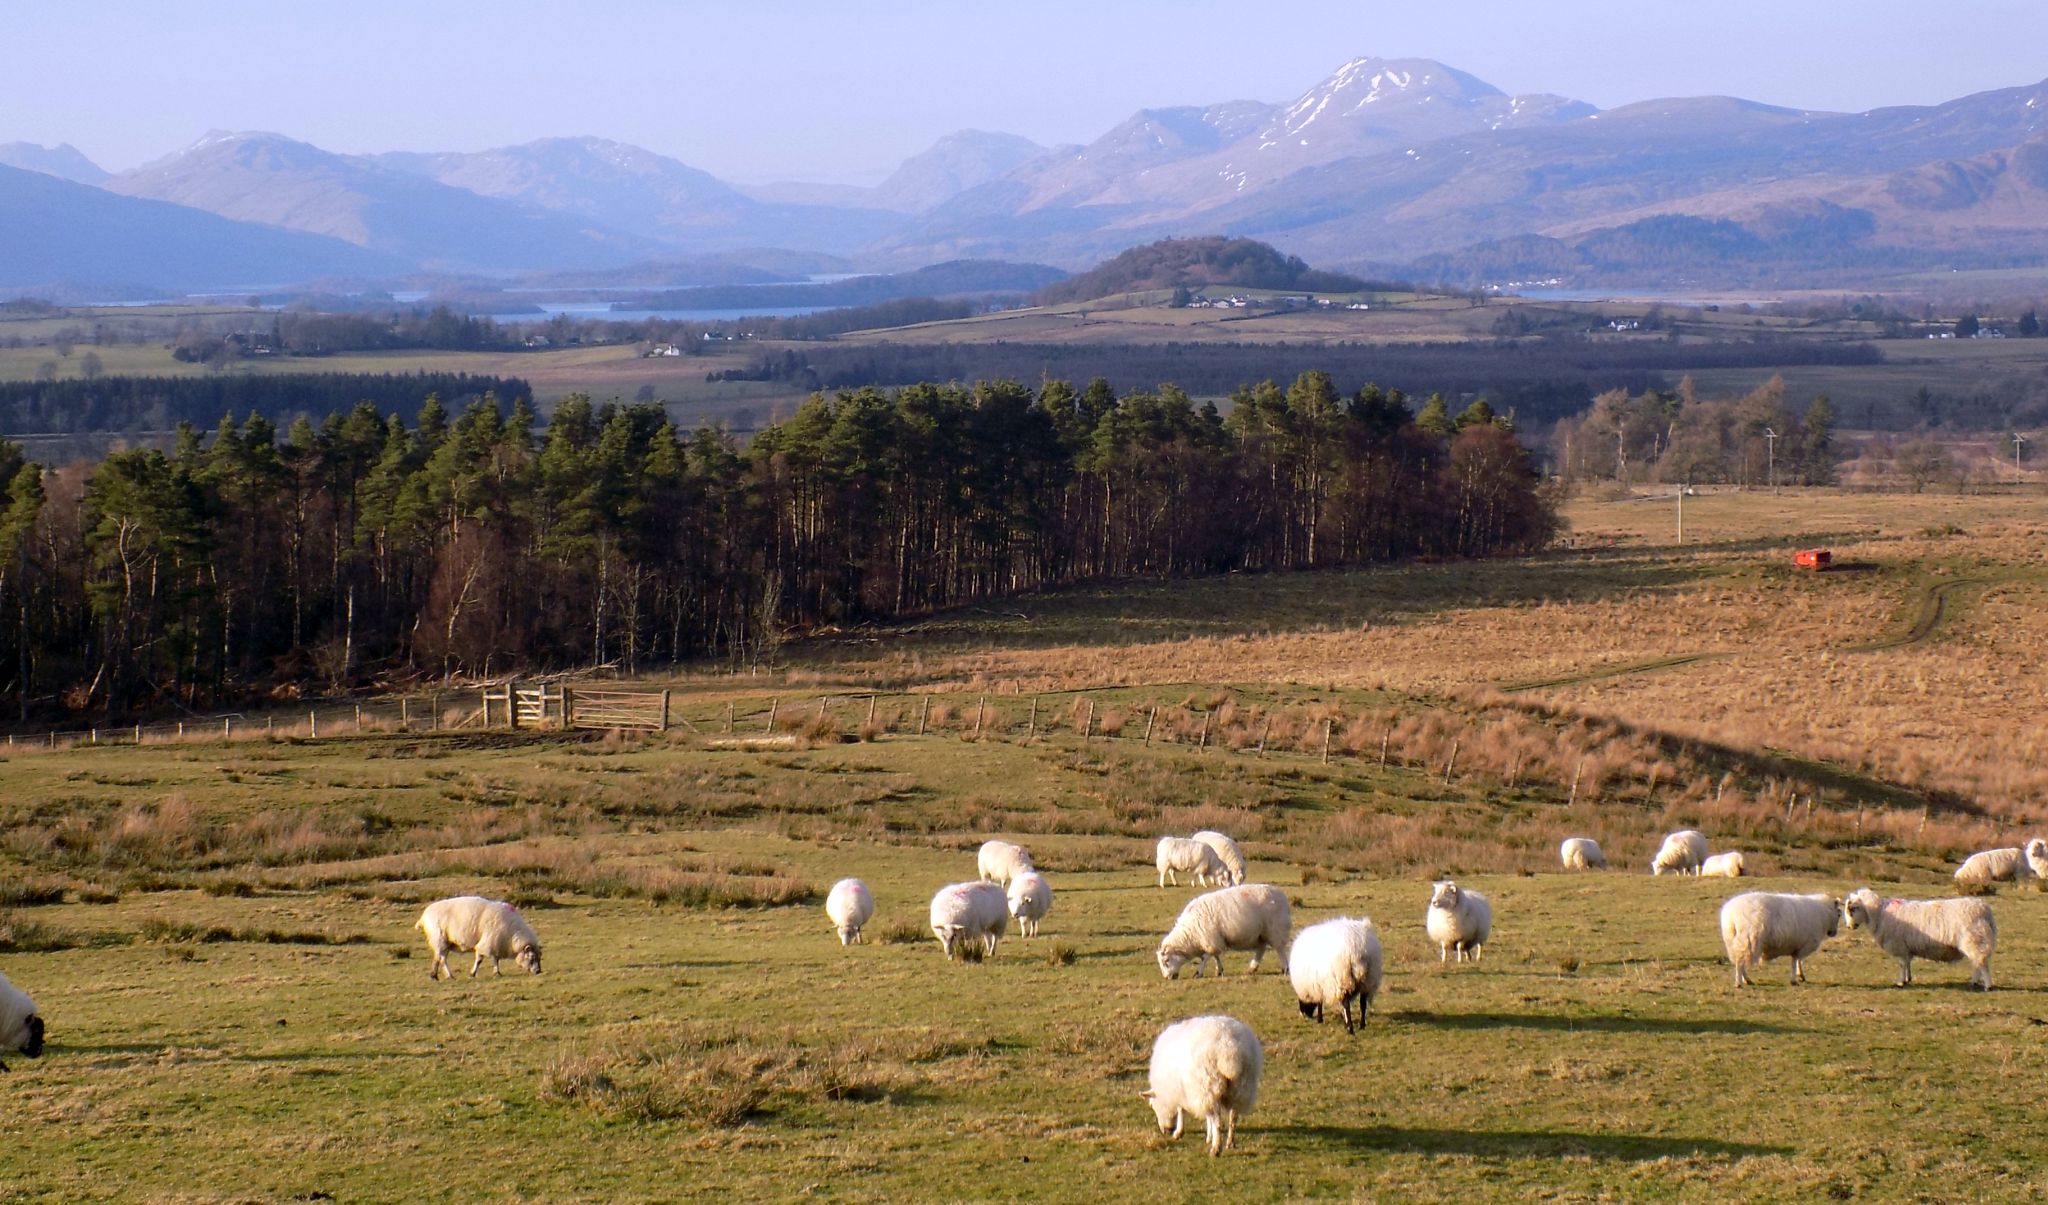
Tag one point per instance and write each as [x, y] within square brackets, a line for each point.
[1149, 1094]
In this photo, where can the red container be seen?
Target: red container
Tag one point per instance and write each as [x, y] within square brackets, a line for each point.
[1815, 559]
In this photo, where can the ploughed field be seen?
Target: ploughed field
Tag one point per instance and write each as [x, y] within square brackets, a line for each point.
[219, 934]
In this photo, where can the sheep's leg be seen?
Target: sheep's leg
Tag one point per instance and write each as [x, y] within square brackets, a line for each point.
[1741, 975]
[1212, 1129]
[478, 965]
[1443, 952]
[1230, 1129]
[1798, 970]
[1905, 971]
[1478, 950]
[1177, 1116]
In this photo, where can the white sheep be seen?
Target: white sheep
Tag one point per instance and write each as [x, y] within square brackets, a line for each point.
[1581, 853]
[1228, 853]
[21, 1026]
[1250, 916]
[2009, 865]
[1942, 930]
[470, 922]
[1730, 865]
[1185, 855]
[1207, 1066]
[1681, 853]
[849, 906]
[1459, 920]
[1030, 900]
[1758, 926]
[1335, 962]
[1000, 861]
[965, 911]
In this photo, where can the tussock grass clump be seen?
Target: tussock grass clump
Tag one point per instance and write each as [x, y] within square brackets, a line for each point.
[28, 893]
[19, 936]
[904, 933]
[1059, 954]
[717, 1081]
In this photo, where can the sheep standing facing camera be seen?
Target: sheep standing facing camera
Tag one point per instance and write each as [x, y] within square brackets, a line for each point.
[1459, 920]
[1210, 1067]
[492, 928]
[1030, 901]
[848, 907]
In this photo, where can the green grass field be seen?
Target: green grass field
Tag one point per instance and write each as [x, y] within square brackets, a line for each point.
[246, 1015]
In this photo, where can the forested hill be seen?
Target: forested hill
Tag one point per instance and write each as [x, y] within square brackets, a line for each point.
[127, 404]
[365, 546]
[1195, 263]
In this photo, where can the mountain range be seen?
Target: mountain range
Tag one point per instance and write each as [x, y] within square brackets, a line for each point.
[1393, 167]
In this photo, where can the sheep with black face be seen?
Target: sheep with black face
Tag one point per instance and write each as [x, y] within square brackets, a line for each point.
[21, 1025]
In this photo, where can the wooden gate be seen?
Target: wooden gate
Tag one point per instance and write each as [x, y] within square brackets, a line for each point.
[643, 710]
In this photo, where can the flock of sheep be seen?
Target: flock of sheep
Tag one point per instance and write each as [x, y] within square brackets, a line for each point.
[1209, 1066]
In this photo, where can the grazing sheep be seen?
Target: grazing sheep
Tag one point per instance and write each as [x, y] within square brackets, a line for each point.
[1335, 962]
[1250, 916]
[1724, 866]
[1000, 861]
[21, 1026]
[963, 911]
[1758, 926]
[1581, 853]
[1228, 853]
[1030, 900]
[1681, 853]
[2008, 865]
[849, 906]
[2037, 857]
[470, 922]
[1207, 1066]
[1184, 855]
[1942, 930]
[1459, 919]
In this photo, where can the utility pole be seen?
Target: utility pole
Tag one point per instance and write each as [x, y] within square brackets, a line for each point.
[1771, 445]
[2018, 442]
[1681, 514]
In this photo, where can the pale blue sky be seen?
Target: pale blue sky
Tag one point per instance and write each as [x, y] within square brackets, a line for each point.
[758, 90]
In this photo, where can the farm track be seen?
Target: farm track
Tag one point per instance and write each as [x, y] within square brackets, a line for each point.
[1625, 670]
[1936, 608]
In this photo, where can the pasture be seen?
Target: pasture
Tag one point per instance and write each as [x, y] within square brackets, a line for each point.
[219, 933]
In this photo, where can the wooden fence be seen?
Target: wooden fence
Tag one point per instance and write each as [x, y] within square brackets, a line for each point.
[640, 710]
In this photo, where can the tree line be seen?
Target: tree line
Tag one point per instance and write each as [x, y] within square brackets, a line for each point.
[132, 403]
[1677, 436]
[367, 546]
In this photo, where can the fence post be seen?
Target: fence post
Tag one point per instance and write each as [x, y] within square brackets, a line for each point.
[511, 704]
[923, 714]
[1576, 771]
[359, 719]
[138, 734]
[871, 713]
[664, 711]
[1263, 730]
[434, 702]
[313, 722]
[181, 729]
[404, 714]
[568, 708]
[95, 736]
[487, 706]
[1151, 714]
[1326, 741]
[1451, 764]
[980, 710]
[1386, 738]
[1202, 745]
[1031, 727]
[772, 705]
[728, 718]
[1088, 722]
[227, 727]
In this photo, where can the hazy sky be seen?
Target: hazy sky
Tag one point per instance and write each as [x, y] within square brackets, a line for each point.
[841, 90]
